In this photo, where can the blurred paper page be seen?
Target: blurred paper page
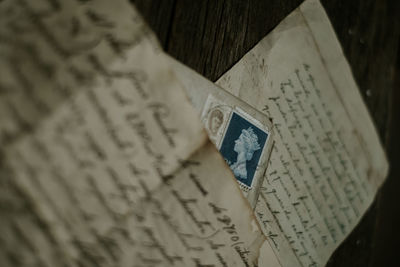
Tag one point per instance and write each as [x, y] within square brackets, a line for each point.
[327, 162]
[104, 160]
[241, 133]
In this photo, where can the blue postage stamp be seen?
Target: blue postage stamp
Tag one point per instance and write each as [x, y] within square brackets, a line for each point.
[242, 147]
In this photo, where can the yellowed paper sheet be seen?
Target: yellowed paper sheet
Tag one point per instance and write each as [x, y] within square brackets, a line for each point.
[104, 160]
[327, 162]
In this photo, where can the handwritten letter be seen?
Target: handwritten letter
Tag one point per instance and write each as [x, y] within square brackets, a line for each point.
[327, 162]
[104, 161]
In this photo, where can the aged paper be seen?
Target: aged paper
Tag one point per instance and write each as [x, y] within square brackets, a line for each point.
[241, 133]
[104, 162]
[327, 162]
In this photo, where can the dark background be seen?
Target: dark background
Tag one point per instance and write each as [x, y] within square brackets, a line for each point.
[212, 35]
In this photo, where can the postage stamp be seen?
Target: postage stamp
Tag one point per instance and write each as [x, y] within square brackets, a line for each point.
[240, 138]
[242, 147]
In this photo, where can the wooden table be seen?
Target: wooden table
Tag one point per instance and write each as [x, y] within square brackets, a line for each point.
[212, 35]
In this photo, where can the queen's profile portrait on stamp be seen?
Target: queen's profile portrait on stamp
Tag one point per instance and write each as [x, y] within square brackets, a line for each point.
[242, 147]
[245, 146]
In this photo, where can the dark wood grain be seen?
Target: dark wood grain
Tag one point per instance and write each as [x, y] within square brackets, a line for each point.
[212, 35]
